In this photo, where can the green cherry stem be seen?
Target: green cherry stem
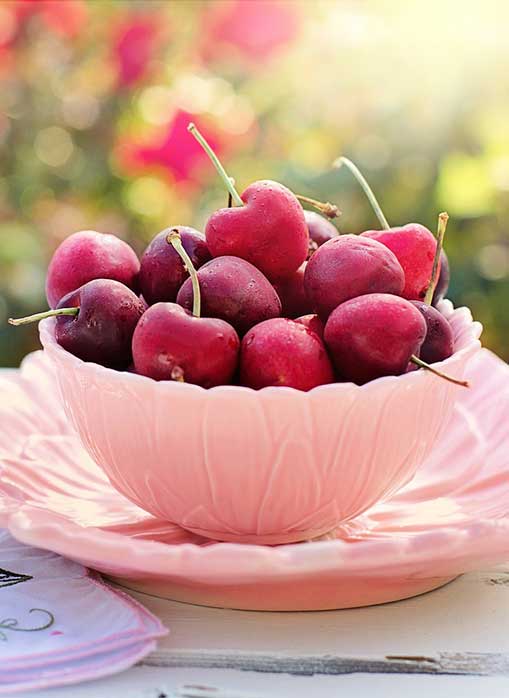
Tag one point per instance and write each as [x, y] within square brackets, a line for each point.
[325, 207]
[366, 188]
[422, 364]
[174, 239]
[442, 225]
[41, 316]
[228, 182]
[230, 197]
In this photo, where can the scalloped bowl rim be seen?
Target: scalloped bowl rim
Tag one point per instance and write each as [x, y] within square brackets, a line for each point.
[48, 340]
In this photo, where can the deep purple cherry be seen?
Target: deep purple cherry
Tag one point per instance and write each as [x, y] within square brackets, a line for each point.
[320, 230]
[96, 322]
[162, 271]
[439, 342]
[443, 279]
[234, 290]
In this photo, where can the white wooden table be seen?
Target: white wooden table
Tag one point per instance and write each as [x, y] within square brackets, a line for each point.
[450, 642]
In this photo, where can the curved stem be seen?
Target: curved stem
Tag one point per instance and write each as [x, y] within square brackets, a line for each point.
[326, 208]
[442, 225]
[217, 164]
[174, 239]
[366, 188]
[42, 316]
[422, 364]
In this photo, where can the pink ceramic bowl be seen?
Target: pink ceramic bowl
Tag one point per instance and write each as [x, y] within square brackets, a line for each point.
[270, 466]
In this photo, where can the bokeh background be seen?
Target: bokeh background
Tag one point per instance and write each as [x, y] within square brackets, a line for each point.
[95, 98]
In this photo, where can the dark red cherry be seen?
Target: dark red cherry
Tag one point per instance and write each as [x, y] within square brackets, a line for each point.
[265, 226]
[268, 230]
[374, 335]
[233, 290]
[169, 343]
[103, 328]
[349, 266]
[96, 322]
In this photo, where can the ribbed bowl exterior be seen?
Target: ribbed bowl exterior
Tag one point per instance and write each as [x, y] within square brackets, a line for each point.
[270, 466]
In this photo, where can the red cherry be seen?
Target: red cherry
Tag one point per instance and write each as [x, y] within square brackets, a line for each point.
[103, 328]
[268, 230]
[162, 271]
[374, 335]
[282, 352]
[88, 255]
[377, 335]
[169, 343]
[414, 246]
[266, 225]
[349, 266]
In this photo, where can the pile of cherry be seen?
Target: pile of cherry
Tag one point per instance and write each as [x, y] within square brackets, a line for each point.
[271, 295]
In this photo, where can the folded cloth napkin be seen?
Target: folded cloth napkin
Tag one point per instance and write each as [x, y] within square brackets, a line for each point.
[60, 624]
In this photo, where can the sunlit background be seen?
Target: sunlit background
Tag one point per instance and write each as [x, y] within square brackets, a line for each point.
[95, 98]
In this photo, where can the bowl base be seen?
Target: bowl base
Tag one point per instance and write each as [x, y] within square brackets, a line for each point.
[265, 539]
[312, 595]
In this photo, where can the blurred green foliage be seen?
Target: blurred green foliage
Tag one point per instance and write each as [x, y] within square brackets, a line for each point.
[94, 98]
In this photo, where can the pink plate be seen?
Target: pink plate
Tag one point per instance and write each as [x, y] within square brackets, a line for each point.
[453, 517]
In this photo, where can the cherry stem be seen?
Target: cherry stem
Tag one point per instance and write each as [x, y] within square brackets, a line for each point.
[325, 208]
[230, 197]
[442, 225]
[41, 316]
[366, 188]
[228, 182]
[174, 239]
[422, 364]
